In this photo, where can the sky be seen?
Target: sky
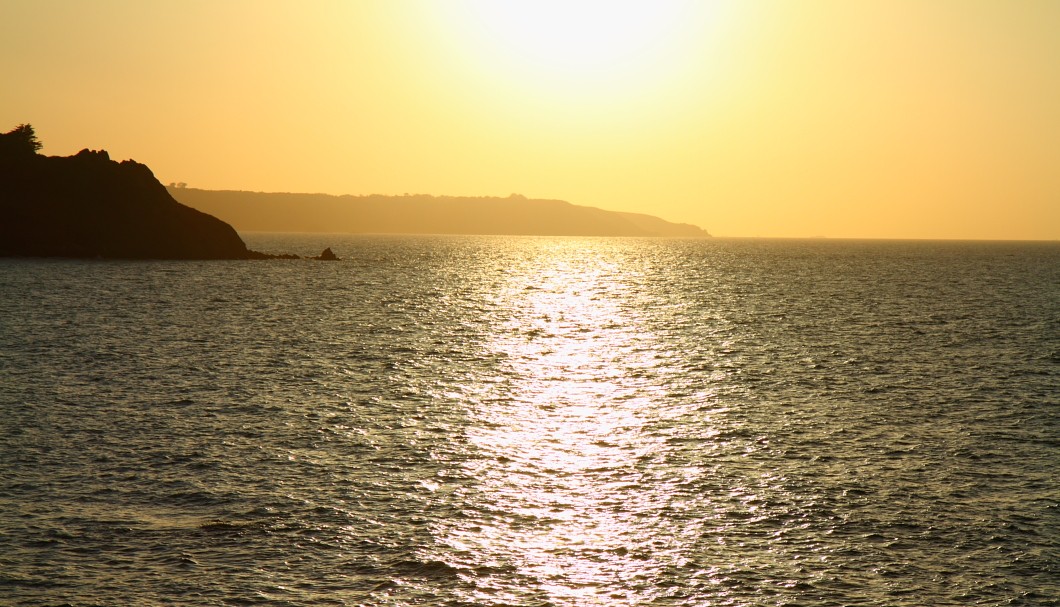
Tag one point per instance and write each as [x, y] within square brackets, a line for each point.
[835, 118]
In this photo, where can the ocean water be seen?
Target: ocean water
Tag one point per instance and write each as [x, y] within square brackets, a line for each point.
[446, 421]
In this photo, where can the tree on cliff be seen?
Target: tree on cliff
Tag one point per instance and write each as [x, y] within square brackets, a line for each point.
[19, 141]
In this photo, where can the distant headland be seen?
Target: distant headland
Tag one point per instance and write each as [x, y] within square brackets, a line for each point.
[421, 214]
[89, 206]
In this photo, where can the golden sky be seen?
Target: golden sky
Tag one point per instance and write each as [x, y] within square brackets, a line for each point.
[839, 118]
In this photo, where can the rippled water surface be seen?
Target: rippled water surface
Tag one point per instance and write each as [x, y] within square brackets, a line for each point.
[531, 421]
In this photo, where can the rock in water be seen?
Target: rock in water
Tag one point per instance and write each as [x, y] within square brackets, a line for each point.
[327, 255]
[88, 205]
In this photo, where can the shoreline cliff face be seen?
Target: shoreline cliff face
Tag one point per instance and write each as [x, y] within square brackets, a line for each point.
[89, 206]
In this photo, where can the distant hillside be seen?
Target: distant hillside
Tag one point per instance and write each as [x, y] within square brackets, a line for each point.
[421, 214]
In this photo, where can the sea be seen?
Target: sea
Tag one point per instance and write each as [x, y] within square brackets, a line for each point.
[535, 421]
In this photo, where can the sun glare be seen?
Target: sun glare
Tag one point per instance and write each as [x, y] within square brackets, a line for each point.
[578, 36]
[577, 49]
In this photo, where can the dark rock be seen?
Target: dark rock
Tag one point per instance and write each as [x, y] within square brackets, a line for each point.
[258, 255]
[326, 255]
[87, 205]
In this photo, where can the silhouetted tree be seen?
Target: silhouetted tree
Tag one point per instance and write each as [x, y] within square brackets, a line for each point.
[19, 141]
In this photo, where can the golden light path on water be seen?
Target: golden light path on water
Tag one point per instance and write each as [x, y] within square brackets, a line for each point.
[565, 439]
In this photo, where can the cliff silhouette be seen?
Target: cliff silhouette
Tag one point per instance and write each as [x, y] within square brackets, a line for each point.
[422, 214]
[88, 205]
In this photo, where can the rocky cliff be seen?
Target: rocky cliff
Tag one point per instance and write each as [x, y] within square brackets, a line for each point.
[88, 205]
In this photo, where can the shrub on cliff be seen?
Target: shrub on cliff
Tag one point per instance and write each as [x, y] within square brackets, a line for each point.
[19, 141]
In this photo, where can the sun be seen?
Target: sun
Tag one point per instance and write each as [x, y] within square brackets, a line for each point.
[578, 37]
[578, 48]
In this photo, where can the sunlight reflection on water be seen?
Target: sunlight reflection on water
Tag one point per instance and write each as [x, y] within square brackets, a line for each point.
[566, 434]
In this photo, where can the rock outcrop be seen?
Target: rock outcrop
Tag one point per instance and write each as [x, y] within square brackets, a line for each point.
[88, 205]
[327, 255]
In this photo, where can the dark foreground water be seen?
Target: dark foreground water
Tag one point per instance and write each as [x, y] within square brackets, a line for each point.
[534, 421]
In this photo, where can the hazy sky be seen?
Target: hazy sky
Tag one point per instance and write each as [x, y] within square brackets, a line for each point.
[842, 118]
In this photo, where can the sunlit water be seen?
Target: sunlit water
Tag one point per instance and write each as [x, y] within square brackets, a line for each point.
[531, 421]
